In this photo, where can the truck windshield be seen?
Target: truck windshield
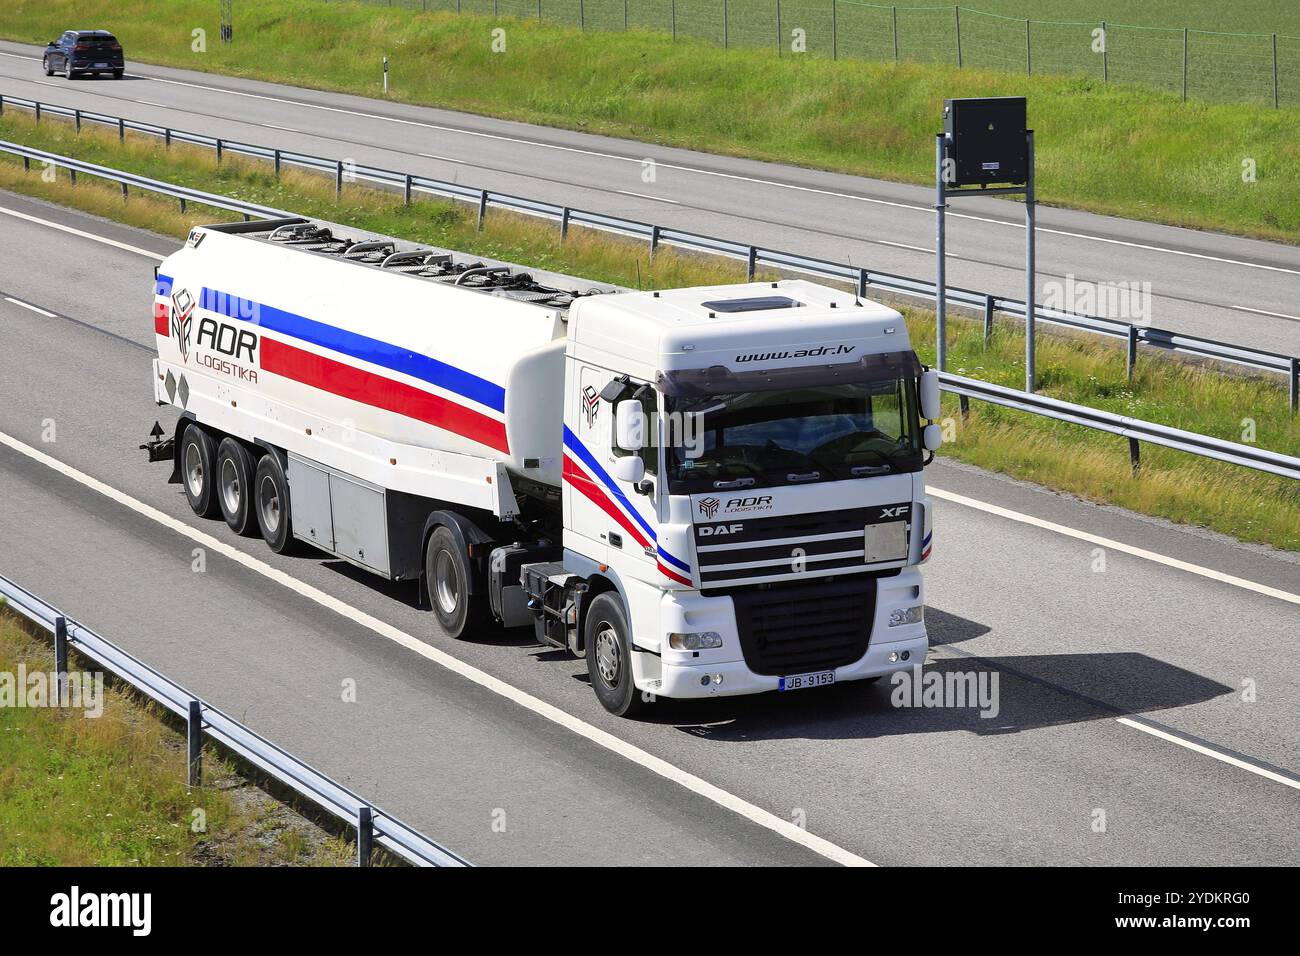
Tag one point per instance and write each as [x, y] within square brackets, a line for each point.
[813, 433]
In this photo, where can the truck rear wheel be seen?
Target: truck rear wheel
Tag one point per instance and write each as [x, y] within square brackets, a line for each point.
[447, 576]
[234, 480]
[270, 499]
[609, 656]
[198, 452]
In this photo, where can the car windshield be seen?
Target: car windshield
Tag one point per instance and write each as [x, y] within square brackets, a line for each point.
[793, 436]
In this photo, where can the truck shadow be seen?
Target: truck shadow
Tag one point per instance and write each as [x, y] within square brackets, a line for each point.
[978, 695]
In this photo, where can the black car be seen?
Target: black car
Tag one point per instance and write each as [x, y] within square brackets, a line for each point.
[84, 51]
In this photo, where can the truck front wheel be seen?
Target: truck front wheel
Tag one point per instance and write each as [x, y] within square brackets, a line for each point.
[198, 451]
[609, 656]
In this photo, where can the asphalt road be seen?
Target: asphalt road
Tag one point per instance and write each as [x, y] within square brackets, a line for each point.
[1233, 289]
[1120, 692]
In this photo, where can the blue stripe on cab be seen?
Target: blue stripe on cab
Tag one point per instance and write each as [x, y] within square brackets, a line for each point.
[384, 354]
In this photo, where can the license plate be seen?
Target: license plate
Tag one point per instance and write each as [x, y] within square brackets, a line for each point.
[803, 681]
[101, 66]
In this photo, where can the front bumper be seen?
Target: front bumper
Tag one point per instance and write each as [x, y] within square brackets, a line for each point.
[723, 672]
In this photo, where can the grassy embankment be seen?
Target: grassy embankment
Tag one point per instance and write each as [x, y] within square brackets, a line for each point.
[110, 790]
[1245, 504]
[1125, 151]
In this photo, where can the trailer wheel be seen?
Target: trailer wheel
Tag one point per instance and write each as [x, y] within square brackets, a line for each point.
[609, 656]
[198, 451]
[447, 576]
[270, 499]
[234, 479]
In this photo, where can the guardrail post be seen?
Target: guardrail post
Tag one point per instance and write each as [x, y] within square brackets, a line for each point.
[1135, 454]
[182, 205]
[27, 164]
[194, 734]
[988, 318]
[76, 119]
[61, 658]
[564, 223]
[121, 130]
[1132, 351]
[753, 262]
[862, 283]
[124, 192]
[167, 137]
[1294, 376]
[654, 241]
[277, 164]
[406, 190]
[2, 96]
[218, 152]
[365, 835]
[482, 208]
[38, 111]
[338, 179]
[72, 176]
[963, 401]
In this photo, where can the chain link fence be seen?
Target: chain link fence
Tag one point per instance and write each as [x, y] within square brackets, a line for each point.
[1197, 64]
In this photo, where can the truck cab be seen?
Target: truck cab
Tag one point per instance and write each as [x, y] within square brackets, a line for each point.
[743, 500]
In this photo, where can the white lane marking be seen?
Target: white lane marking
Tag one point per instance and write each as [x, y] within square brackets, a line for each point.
[34, 308]
[1276, 315]
[628, 192]
[602, 738]
[1116, 546]
[161, 106]
[445, 159]
[1211, 752]
[914, 207]
[84, 235]
[287, 129]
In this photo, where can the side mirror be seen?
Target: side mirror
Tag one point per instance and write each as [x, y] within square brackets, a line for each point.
[629, 425]
[932, 437]
[930, 395]
[629, 468]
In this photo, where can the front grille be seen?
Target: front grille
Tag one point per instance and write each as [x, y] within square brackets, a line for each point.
[806, 626]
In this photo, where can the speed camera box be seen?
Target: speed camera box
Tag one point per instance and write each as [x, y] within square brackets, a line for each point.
[986, 140]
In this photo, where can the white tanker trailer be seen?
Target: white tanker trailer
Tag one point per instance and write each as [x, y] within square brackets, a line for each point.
[703, 491]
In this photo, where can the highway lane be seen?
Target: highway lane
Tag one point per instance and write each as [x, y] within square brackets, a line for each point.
[1219, 286]
[1073, 649]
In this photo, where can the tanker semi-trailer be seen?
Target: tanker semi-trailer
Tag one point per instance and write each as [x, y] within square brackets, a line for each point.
[703, 491]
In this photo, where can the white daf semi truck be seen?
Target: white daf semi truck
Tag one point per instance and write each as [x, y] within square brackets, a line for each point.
[703, 491]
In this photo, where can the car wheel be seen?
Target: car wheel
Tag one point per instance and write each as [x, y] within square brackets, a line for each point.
[234, 477]
[198, 451]
[609, 656]
[271, 500]
[45, 65]
[117, 74]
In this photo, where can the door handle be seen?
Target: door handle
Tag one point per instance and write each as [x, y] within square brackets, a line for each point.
[616, 539]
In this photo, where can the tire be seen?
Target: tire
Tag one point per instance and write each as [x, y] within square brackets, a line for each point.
[232, 486]
[45, 65]
[270, 502]
[68, 74]
[198, 457]
[609, 656]
[447, 575]
[117, 74]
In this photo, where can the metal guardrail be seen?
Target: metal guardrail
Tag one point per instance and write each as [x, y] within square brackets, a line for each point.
[372, 824]
[1135, 430]
[864, 279]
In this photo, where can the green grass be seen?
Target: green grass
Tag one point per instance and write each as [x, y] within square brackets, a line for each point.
[1116, 149]
[111, 790]
[1182, 488]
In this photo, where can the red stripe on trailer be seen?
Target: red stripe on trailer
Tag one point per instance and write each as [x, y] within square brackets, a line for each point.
[377, 391]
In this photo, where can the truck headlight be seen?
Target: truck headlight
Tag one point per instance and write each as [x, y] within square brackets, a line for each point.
[907, 615]
[694, 640]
